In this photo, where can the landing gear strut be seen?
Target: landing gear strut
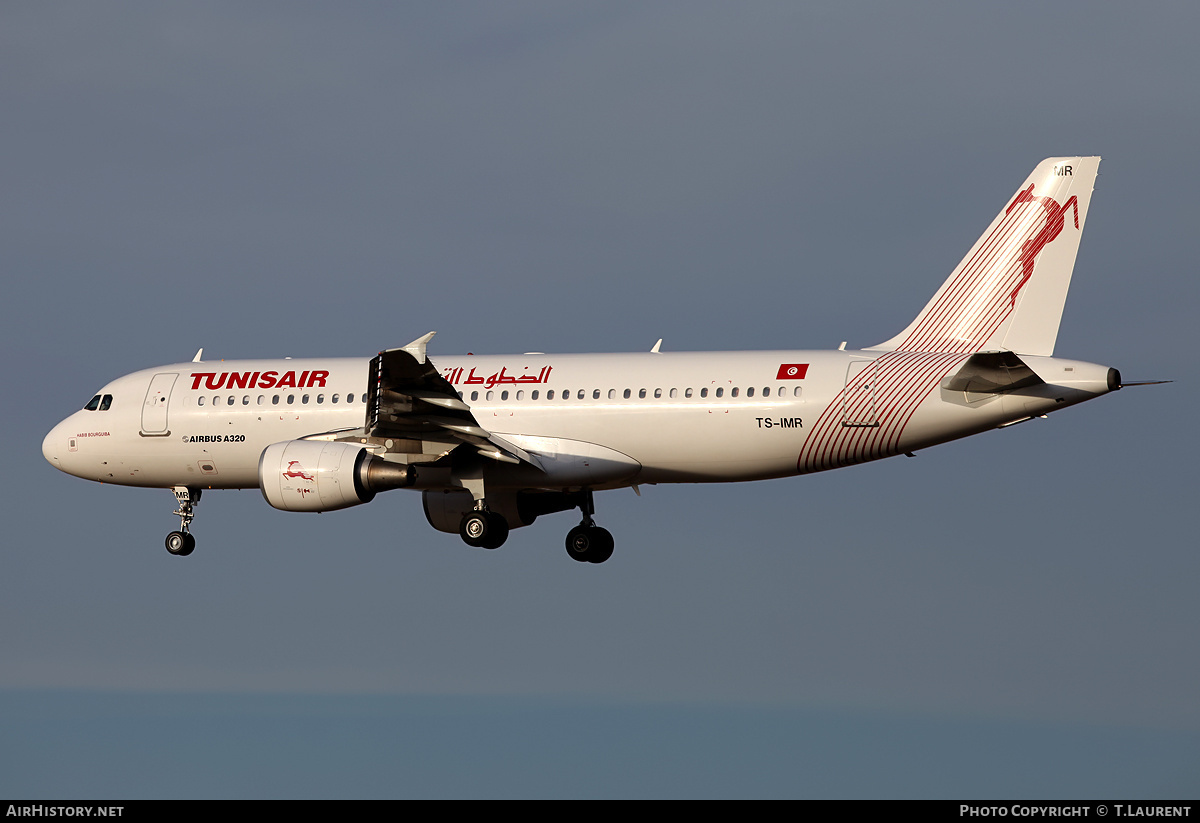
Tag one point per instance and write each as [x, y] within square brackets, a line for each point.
[182, 543]
[587, 542]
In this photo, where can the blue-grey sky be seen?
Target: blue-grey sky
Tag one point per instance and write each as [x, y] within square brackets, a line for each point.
[1012, 614]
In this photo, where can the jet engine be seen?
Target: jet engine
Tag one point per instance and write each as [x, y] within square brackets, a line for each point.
[320, 476]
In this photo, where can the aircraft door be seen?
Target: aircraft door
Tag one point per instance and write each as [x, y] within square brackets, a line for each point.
[859, 407]
[154, 410]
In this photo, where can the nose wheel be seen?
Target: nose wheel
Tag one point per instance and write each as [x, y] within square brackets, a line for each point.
[182, 543]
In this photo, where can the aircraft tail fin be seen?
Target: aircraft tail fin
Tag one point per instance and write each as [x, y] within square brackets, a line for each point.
[1008, 292]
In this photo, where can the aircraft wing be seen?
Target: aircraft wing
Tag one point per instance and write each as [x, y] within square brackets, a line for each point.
[407, 398]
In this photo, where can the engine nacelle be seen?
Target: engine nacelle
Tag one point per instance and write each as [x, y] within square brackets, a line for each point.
[320, 476]
[445, 509]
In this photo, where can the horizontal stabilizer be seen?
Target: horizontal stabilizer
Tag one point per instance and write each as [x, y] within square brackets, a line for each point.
[991, 373]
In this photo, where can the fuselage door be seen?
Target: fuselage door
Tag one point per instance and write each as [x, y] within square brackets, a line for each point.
[154, 410]
[858, 398]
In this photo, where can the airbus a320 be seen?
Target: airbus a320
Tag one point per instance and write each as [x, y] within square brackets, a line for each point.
[495, 442]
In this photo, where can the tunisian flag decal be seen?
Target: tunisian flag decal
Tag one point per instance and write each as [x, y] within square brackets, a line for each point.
[792, 371]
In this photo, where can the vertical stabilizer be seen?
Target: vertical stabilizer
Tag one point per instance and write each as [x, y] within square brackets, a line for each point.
[1008, 292]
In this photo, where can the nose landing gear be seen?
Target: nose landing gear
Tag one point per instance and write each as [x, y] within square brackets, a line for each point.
[182, 543]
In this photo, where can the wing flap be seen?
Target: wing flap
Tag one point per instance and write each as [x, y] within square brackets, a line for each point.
[408, 399]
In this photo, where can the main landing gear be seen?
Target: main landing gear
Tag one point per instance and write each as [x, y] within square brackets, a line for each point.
[182, 543]
[483, 529]
[587, 542]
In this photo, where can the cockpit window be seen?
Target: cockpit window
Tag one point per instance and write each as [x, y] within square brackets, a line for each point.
[106, 403]
[93, 404]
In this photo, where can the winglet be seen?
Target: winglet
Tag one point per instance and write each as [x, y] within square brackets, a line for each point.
[417, 347]
[199, 352]
[654, 350]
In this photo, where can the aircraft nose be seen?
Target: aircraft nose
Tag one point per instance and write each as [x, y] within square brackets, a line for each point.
[50, 447]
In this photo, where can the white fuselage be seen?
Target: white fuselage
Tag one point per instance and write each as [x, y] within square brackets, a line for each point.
[680, 417]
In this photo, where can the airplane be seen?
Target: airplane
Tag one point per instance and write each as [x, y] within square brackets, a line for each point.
[494, 442]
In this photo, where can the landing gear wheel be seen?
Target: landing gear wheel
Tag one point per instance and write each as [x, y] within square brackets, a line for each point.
[497, 532]
[483, 530]
[181, 544]
[603, 547]
[589, 544]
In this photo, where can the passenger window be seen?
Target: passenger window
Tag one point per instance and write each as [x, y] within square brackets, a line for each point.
[687, 392]
[704, 392]
[766, 391]
[262, 399]
[595, 394]
[200, 401]
[232, 400]
[245, 400]
[474, 396]
[520, 395]
[566, 395]
[721, 391]
[627, 393]
[657, 393]
[350, 398]
[106, 403]
[534, 395]
[504, 395]
[489, 395]
[797, 391]
[550, 394]
[275, 400]
[334, 399]
[291, 399]
[734, 392]
[93, 404]
[612, 394]
[304, 399]
[750, 392]
[320, 399]
[641, 394]
[580, 395]
[674, 393]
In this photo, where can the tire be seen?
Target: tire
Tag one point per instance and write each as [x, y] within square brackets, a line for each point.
[580, 544]
[474, 528]
[497, 532]
[180, 544]
[602, 545]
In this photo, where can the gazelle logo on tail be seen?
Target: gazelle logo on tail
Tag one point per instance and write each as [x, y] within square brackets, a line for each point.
[977, 309]
[1052, 229]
